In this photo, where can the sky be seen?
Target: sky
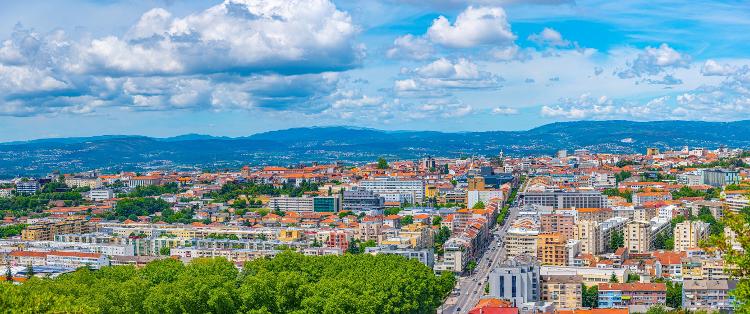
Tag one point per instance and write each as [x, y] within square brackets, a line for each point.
[238, 67]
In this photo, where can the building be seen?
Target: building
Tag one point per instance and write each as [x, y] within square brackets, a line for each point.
[99, 195]
[516, 280]
[27, 186]
[551, 249]
[589, 275]
[709, 295]
[79, 182]
[326, 204]
[720, 177]
[688, 234]
[288, 203]
[563, 291]
[619, 295]
[484, 196]
[137, 181]
[637, 237]
[641, 198]
[587, 232]
[409, 191]
[47, 230]
[521, 242]
[651, 151]
[424, 256]
[360, 199]
[558, 223]
[564, 199]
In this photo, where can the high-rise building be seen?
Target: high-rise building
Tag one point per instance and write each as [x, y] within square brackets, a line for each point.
[564, 199]
[688, 234]
[560, 223]
[720, 177]
[563, 291]
[409, 191]
[516, 280]
[551, 249]
[360, 199]
[711, 295]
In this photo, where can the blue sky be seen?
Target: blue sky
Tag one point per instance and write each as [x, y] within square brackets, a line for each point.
[238, 67]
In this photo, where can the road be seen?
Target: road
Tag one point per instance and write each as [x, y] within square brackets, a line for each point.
[471, 287]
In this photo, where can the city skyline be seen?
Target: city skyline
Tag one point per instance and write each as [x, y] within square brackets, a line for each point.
[164, 68]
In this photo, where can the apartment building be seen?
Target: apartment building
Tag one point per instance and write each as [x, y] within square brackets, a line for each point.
[641, 198]
[564, 199]
[720, 177]
[516, 280]
[590, 275]
[393, 190]
[424, 256]
[708, 295]
[688, 234]
[558, 223]
[587, 232]
[295, 204]
[99, 195]
[551, 249]
[360, 199]
[27, 186]
[79, 182]
[521, 242]
[639, 235]
[47, 230]
[137, 181]
[564, 291]
[619, 295]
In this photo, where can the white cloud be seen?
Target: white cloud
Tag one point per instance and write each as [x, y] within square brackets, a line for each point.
[237, 35]
[444, 74]
[473, 27]
[654, 61]
[505, 111]
[410, 47]
[713, 68]
[549, 37]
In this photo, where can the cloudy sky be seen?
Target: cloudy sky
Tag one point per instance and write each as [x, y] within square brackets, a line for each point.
[169, 67]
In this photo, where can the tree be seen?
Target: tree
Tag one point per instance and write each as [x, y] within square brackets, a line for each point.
[590, 296]
[29, 271]
[382, 163]
[478, 205]
[674, 294]
[437, 220]
[633, 278]
[471, 265]
[616, 241]
[735, 248]
[8, 273]
[407, 220]
[165, 250]
[613, 278]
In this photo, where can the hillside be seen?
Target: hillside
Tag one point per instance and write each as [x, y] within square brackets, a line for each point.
[325, 144]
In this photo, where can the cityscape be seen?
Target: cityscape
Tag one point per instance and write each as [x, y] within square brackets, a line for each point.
[375, 156]
[571, 232]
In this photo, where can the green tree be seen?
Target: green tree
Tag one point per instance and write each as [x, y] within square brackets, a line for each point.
[590, 296]
[613, 278]
[382, 163]
[165, 250]
[674, 294]
[478, 205]
[437, 220]
[616, 241]
[29, 271]
[735, 250]
[407, 220]
[633, 278]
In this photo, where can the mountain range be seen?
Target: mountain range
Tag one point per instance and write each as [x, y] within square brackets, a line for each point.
[350, 145]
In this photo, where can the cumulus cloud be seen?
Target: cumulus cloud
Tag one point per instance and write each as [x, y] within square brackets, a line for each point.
[549, 37]
[713, 68]
[654, 61]
[443, 74]
[475, 26]
[239, 54]
[587, 106]
[300, 36]
[504, 111]
[410, 47]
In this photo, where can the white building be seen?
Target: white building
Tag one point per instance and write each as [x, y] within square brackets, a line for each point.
[474, 197]
[99, 195]
[411, 191]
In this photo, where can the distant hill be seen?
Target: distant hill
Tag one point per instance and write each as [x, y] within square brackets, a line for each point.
[348, 144]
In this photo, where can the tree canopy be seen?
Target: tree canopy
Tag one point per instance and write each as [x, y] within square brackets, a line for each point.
[288, 283]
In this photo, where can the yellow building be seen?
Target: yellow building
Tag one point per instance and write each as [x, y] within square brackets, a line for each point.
[430, 191]
[289, 235]
[551, 249]
[688, 234]
[563, 291]
[476, 184]
[652, 151]
[47, 231]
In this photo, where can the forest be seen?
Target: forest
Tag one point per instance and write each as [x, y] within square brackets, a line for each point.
[287, 283]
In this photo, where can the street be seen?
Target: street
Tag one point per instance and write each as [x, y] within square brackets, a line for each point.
[471, 287]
